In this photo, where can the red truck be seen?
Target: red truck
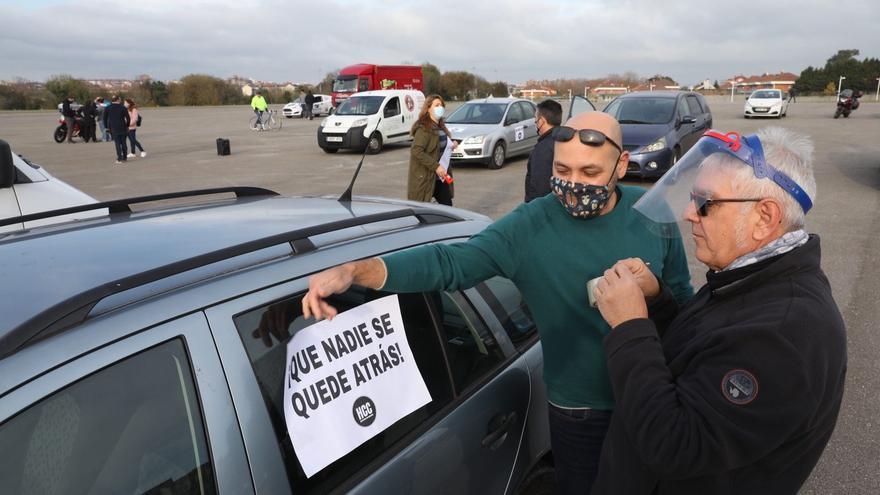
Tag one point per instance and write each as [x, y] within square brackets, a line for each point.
[368, 77]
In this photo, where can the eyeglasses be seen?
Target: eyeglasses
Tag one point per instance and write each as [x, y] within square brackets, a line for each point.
[703, 203]
[590, 137]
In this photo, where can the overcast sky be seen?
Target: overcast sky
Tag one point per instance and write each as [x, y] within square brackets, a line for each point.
[512, 40]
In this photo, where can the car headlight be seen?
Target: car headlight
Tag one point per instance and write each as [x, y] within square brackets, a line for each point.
[655, 146]
[359, 122]
[474, 140]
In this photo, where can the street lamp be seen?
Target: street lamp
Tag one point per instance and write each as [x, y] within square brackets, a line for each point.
[732, 88]
[877, 98]
[839, 83]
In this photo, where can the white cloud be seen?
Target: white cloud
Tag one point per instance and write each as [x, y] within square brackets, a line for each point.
[513, 40]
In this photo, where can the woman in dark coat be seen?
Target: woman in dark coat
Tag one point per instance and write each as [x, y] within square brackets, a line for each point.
[427, 178]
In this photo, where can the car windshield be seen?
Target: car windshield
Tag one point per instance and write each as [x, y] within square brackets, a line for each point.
[763, 95]
[642, 110]
[478, 113]
[360, 105]
[346, 85]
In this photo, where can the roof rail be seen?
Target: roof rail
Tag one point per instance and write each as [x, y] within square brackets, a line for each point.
[124, 205]
[76, 309]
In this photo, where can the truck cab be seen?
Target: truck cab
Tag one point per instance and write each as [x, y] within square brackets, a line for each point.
[370, 77]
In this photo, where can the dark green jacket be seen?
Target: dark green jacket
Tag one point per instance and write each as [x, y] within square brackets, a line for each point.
[423, 162]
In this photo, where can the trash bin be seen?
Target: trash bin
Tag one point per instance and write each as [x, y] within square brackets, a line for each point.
[222, 146]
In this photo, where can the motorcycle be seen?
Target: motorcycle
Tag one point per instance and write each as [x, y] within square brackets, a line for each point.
[847, 102]
[61, 131]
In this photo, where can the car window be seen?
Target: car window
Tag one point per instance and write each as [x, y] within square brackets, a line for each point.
[392, 108]
[471, 350]
[363, 84]
[694, 106]
[317, 99]
[514, 115]
[683, 109]
[265, 332]
[133, 427]
[642, 110]
[506, 302]
[477, 113]
[527, 110]
[360, 105]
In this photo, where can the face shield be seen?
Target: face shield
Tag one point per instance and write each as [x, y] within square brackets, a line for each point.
[694, 177]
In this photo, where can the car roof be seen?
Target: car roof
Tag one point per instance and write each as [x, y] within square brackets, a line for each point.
[56, 263]
[494, 99]
[386, 92]
[654, 94]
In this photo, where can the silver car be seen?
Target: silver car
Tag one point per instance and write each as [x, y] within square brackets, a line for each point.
[489, 130]
[143, 351]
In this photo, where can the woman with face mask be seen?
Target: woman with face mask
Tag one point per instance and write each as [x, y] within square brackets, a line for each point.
[427, 178]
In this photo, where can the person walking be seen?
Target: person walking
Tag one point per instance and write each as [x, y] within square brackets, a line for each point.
[116, 120]
[134, 121]
[89, 112]
[309, 103]
[427, 178]
[100, 106]
[792, 93]
[549, 248]
[69, 116]
[540, 165]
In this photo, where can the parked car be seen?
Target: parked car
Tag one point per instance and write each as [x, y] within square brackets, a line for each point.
[490, 130]
[766, 103]
[27, 188]
[659, 127]
[371, 120]
[323, 106]
[144, 351]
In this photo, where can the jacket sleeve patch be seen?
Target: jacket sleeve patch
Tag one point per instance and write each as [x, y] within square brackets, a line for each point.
[739, 387]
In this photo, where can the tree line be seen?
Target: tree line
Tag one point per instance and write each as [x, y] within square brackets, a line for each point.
[860, 75]
[191, 90]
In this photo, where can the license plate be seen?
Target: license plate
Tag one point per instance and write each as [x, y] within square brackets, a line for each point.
[334, 139]
[457, 155]
[761, 109]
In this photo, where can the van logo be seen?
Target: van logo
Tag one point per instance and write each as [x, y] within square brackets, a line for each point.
[409, 103]
[337, 123]
[364, 411]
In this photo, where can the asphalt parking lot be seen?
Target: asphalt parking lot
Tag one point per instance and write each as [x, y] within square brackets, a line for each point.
[180, 143]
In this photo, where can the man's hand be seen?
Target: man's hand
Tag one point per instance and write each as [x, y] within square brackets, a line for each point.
[619, 297]
[646, 280]
[441, 172]
[368, 273]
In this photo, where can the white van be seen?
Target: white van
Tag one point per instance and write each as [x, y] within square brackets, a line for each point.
[370, 120]
[323, 106]
[27, 188]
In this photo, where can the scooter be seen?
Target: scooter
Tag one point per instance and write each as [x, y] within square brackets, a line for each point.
[61, 131]
[847, 102]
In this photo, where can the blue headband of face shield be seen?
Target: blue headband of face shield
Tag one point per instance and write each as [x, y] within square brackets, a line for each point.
[749, 151]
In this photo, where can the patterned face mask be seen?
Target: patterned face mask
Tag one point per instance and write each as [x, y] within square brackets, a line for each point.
[580, 200]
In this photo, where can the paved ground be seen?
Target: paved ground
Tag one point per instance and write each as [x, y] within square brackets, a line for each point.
[181, 146]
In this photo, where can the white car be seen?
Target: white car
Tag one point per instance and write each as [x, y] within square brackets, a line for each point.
[27, 188]
[323, 106]
[766, 103]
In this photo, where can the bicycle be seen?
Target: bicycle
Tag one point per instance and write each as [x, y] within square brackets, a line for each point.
[268, 122]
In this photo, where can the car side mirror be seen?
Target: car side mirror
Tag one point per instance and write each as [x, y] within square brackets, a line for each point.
[687, 119]
[7, 168]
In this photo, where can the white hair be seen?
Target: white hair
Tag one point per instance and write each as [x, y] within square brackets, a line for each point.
[790, 153]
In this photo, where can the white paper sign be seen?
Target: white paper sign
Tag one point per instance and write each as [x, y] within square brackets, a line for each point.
[446, 156]
[519, 133]
[347, 380]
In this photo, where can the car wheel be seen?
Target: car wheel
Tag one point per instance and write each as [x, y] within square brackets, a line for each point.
[540, 481]
[496, 161]
[745, 116]
[374, 145]
[330, 150]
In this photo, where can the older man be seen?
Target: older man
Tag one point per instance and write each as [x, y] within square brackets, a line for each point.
[737, 391]
[549, 248]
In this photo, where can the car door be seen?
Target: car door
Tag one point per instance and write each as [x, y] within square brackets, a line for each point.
[393, 121]
[684, 124]
[150, 413]
[700, 114]
[514, 129]
[579, 105]
[464, 441]
[530, 130]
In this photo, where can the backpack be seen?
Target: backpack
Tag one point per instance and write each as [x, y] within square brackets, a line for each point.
[140, 118]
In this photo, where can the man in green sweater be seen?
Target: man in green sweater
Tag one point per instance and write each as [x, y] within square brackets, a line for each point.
[549, 248]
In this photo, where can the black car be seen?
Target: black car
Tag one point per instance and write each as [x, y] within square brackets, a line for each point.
[659, 127]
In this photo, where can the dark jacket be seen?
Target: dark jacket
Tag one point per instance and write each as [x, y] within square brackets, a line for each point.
[309, 100]
[89, 110]
[116, 119]
[739, 393]
[66, 110]
[540, 168]
[424, 159]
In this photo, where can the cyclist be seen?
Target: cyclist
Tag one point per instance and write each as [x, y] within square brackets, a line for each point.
[258, 103]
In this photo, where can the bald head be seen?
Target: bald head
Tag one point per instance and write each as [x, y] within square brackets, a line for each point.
[599, 121]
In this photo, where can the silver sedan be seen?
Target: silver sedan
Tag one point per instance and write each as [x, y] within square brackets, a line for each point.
[489, 130]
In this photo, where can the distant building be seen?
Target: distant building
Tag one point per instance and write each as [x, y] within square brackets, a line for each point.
[537, 92]
[779, 80]
[657, 84]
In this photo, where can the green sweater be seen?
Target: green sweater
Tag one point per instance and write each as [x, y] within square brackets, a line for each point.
[550, 256]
